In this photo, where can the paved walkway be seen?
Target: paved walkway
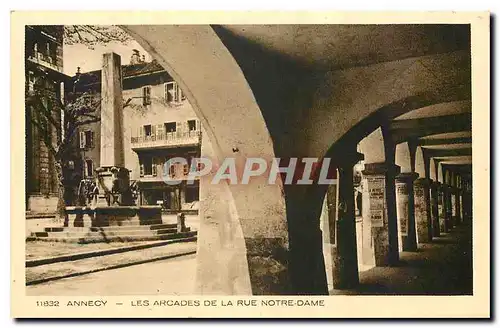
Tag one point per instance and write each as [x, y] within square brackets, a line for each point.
[174, 276]
[443, 267]
[91, 265]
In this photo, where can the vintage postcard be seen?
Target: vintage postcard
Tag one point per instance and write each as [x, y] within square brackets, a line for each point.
[250, 164]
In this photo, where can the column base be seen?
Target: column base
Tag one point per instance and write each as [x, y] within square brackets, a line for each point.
[267, 264]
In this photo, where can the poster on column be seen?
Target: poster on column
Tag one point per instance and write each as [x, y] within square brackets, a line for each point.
[402, 207]
[376, 190]
[175, 163]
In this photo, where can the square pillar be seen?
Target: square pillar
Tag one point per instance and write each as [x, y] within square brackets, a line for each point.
[423, 218]
[382, 207]
[453, 208]
[442, 208]
[448, 221]
[434, 193]
[458, 214]
[344, 255]
[406, 210]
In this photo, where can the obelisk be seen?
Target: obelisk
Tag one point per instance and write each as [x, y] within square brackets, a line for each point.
[113, 177]
[112, 150]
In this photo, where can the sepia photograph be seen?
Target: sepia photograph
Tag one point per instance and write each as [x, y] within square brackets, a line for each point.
[285, 159]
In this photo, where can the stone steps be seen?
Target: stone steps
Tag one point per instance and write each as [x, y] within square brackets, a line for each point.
[107, 233]
[94, 237]
[114, 228]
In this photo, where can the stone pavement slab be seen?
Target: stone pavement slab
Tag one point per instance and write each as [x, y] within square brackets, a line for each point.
[54, 271]
[174, 276]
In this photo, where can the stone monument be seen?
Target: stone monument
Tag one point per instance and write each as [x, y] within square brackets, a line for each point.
[113, 178]
[115, 205]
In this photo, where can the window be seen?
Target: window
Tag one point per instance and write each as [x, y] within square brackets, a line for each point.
[171, 127]
[147, 166]
[171, 171]
[171, 94]
[153, 166]
[192, 193]
[86, 139]
[192, 125]
[146, 95]
[147, 130]
[89, 168]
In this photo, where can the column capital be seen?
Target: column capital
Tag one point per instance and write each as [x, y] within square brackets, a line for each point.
[406, 177]
[382, 168]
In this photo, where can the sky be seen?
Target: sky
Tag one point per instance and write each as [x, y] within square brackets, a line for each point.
[91, 59]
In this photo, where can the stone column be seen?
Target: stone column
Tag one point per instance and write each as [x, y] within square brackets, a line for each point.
[447, 207]
[458, 218]
[406, 210]
[423, 216]
[113, 178]
[435, 208]
[221, 260]
[182, 196]
[345, 259]
[453, 206]
[381, 188]
[462, 204]
[329, 229]
[112, 148]
[442, 207]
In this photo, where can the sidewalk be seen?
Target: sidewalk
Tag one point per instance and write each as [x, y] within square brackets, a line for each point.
[54, 271]
[443, 267]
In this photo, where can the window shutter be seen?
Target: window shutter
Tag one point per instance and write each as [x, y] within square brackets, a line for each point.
[82, 140]
[176, 92]
[153, 166]
[153, 131]
[85, 168]
[159, 131]
[198, 125]
[141, 129]
[181, 95]
[92, 139]
[146, 94]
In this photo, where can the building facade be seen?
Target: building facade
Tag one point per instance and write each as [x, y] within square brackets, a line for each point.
[159, 124]
[43, 79]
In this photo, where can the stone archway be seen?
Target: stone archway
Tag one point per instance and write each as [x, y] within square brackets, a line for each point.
[233, 75]
[221, 97]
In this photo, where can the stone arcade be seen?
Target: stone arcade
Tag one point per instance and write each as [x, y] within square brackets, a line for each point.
[323, 91]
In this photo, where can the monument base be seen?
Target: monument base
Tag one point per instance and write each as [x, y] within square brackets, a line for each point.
[106, 216]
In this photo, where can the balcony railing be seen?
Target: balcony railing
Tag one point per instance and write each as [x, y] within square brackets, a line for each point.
[44, 60]
[167, 140]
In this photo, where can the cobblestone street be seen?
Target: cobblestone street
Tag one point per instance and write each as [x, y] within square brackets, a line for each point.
[169, 277]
